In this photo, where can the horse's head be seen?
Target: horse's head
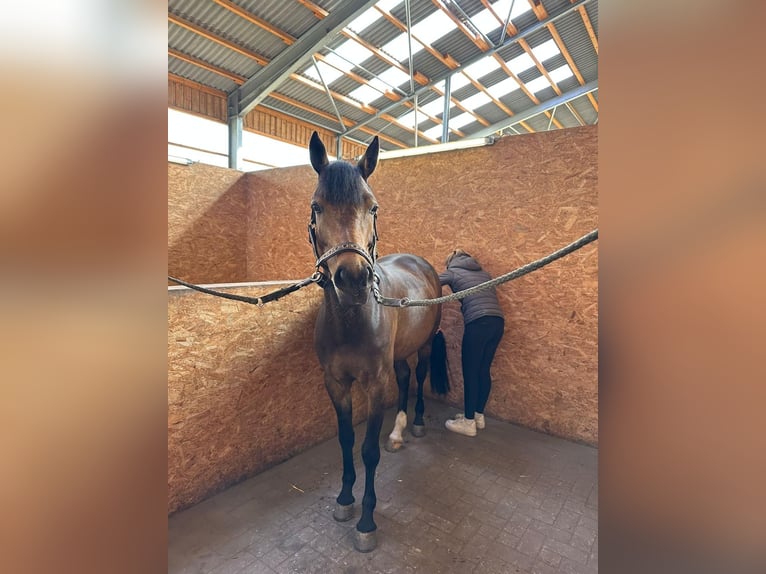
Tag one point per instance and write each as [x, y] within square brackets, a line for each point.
[342, 228]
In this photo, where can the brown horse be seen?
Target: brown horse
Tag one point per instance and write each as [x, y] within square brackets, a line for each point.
[355, 338]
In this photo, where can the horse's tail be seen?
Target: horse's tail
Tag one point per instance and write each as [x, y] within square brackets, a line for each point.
[439, 379]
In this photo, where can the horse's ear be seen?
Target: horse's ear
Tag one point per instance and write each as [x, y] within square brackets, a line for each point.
[318, 153]
[369, 159]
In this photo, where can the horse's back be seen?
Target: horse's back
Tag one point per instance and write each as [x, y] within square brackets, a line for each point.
[406, 275]
[409, 276]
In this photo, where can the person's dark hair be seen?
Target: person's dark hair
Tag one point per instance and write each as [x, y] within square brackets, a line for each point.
[452, 255]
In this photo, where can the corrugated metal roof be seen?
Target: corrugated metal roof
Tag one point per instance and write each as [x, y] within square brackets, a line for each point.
[296, 20]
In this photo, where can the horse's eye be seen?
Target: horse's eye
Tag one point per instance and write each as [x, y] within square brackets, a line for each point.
[316, 208]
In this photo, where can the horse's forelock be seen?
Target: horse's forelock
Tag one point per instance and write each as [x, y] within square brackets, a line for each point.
[341, 183]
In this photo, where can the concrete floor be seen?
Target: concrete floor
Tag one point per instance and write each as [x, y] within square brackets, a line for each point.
[508, 500]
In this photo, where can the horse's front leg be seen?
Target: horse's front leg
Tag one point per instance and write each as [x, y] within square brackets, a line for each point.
[365, 539]
[340, 393]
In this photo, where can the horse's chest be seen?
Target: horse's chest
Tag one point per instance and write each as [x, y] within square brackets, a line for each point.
[349, 365]
[349, 355]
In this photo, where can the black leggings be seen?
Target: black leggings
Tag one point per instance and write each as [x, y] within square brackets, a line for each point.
[480, 340]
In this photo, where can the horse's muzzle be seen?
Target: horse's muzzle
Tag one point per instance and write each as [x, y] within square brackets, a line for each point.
[353, 284]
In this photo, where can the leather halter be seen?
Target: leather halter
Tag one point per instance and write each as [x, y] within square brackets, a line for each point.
[321, 260]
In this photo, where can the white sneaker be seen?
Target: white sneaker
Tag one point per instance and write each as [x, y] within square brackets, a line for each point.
[462, 425]
[478, 417]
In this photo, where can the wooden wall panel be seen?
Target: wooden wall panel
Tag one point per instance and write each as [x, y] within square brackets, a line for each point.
[207, 224]
[189, 96]
[507, 204]
[245, 390]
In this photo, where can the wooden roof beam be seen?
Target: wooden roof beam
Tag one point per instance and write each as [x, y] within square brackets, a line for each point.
[365, 108]
[261, 60]
[199, 30]
[505, 68]
[593, 102]
[538, 9]
[522, 34]
[279, 97]
[444, 59]
[512, 31]
[480, 42]
[589, 27]
[253, 19]
[389, 94]
[421, 79]
[287, 62]
[321, 113]
[318, 11]
[236, 78]
[540, 108]
[417, 76]
[321, 13]
[565, 53]
[567, 56]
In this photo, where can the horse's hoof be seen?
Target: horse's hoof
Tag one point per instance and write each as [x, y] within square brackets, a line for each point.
[392, 446]
[418, 430]
[343, 513]
[365, 541]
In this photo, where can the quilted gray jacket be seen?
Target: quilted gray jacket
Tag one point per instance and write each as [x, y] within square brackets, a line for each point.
[465, 272]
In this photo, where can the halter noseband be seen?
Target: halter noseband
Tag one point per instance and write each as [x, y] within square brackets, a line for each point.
[369, 256]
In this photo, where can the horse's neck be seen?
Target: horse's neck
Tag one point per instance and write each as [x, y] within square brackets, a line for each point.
[345, 320]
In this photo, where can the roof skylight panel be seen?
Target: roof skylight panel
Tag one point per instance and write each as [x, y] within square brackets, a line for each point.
[388, 5]
[538, 84]
[482, 67]
[329, 74]
[364, 94]
[337, 62]
[457, 81]
[433, 27]
[387, 81]
[408, 119]
[456, 122]
[399, 48]
[435, 107]
[394, 77]
[485, 21]
[519, 7]
[520, 63]
[476, 101]
[546, 50]
[379, 84]
[560, 73]
[365, 20]
[353, 52]
[503, 88]
[434, 132]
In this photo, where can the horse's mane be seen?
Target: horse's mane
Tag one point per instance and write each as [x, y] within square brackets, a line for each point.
[341, 184]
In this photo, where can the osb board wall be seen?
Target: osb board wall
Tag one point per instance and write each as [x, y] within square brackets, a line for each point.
[507, 204]
[245, 390]
[207, 222]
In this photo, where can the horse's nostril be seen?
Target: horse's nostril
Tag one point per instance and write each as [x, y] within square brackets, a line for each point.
[339, 276]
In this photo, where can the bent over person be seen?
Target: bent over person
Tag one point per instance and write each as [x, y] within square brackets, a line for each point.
[484, 326]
